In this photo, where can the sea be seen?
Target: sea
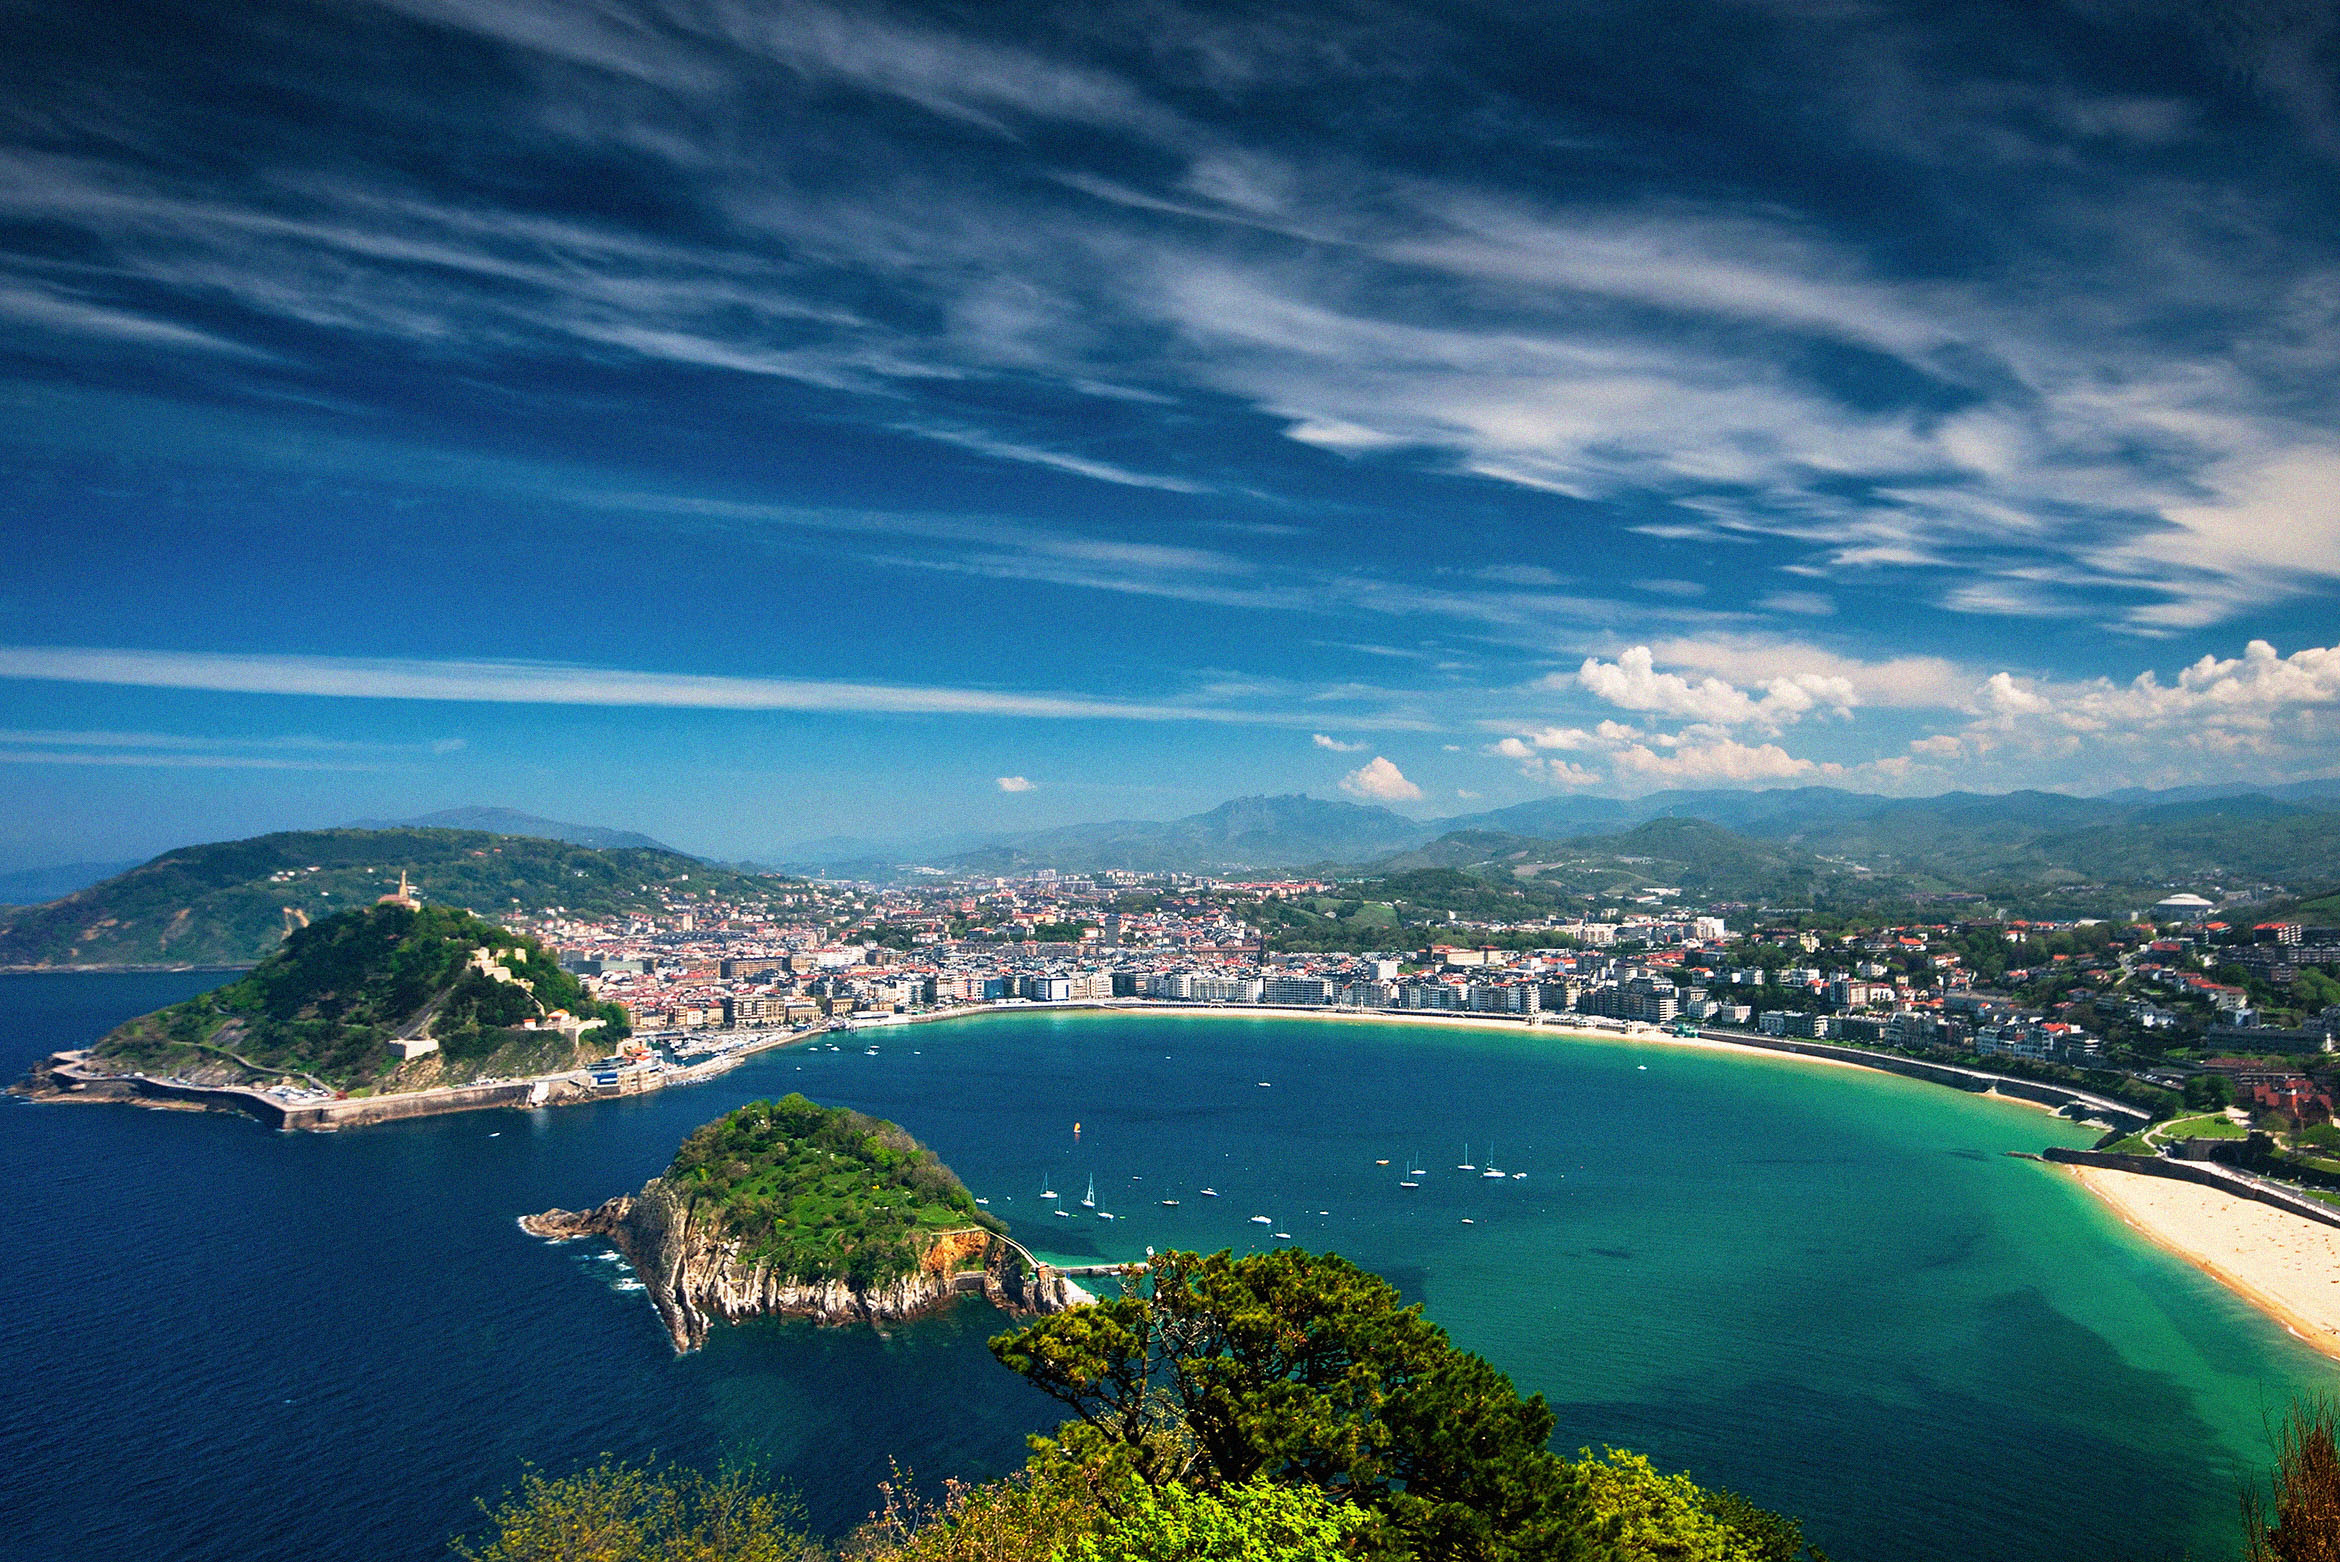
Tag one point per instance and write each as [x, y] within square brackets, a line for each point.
[1829, 1289]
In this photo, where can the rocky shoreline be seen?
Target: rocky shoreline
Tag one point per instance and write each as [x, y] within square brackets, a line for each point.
[695, 1275]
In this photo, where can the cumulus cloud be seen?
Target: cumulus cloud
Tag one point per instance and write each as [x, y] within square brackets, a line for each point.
[1561, 772]
[1909, 682]
[1014, 784]
[1335, 744]
[2261, 695]
[1381, 781]
[2259, 716]
[1713, 759]
[1632, 682]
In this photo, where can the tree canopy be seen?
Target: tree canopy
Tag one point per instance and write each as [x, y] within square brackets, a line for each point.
[821, 1192]
[1303, 1369]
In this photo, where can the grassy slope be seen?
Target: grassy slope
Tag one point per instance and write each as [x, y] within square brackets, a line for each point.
[821, 1192]
[327, 1003]
[230, 903]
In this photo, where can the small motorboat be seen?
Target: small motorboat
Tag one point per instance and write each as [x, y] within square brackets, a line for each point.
[1169, 1203]
[1210, 1193]
[1261, 1220]
[1409, 1185]
[1281, 1236]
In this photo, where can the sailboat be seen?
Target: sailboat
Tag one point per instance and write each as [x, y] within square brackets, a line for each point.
[1493, 1171]
[1046, 1191]
[1465, 1163]
[1089, 1199]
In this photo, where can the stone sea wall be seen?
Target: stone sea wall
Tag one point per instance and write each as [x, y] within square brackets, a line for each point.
[2209, 1174]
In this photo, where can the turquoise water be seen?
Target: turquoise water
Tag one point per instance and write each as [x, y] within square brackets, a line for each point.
[1828, 1288]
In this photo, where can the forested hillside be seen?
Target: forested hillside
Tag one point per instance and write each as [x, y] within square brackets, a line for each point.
[232, 902]
[326, 1005]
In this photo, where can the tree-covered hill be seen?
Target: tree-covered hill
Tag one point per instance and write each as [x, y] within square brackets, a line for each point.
[1248, 832]
[2035, 853]
[821, 1193]
[326, 1005]
[232, 902]
[1703, 860]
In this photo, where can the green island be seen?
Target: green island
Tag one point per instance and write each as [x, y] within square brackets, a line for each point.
[341, 999]
[822, 1193]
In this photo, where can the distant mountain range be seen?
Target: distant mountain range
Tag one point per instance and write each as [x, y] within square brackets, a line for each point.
[1246, 833]
[1784, 845]
[510, 821]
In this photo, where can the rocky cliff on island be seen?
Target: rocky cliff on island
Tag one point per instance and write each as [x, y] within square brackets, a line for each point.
[792, 1209]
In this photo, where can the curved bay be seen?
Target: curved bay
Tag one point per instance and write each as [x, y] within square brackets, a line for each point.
[1827, 1288]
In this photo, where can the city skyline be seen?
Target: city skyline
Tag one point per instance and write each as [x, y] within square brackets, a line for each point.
[746, 426]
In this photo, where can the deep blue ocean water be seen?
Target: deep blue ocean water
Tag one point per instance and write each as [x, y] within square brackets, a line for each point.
[1827, 1288]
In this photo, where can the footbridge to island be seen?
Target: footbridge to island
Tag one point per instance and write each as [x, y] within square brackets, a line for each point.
[1077, 1271]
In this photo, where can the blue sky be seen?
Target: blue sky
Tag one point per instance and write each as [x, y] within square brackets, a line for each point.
[746, 422]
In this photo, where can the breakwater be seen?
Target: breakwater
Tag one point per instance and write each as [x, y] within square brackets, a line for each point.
[2117, 1114]
[2209, 1174]
[71, 1077]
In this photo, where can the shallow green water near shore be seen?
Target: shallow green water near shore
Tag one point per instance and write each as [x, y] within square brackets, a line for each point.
[1829, 1288]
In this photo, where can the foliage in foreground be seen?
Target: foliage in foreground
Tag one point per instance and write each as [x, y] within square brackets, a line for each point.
[1306, 1370]
[822, 1192]
[1281, 1407]
[2299, 1519]
[613, 1512]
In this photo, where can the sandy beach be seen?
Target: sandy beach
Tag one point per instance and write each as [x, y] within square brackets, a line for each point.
[2286, 1266]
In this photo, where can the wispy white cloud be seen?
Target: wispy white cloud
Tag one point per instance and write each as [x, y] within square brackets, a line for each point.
[1082, 466]
[1323, 740]
[535, 683]
[193, 751]
[1014, 784]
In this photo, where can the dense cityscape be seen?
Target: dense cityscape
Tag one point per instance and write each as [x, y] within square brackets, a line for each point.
[2178, 994]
